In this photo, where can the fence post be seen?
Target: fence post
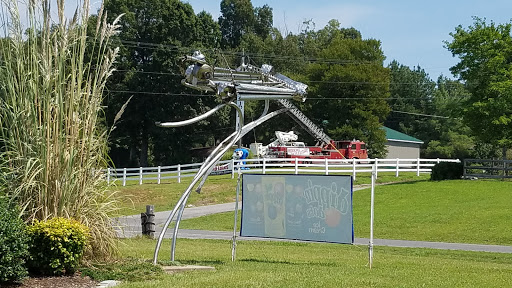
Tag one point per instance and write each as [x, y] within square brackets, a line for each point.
[140, 175]
[159, 176]
[354, 169]
[326, 166]
[397, 164]
[179, 173]
[296, 166]
[264, 165]
[124, 177]
[438, 161]
[108, 175]
[233, 168]
[376, 168]
[418, 167]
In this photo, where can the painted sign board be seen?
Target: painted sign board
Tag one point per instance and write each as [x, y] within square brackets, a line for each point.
[298, 151]
[301, 207]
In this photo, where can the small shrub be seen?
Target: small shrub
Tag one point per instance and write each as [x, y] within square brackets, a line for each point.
[13, 244]
[56, 246]
[446, 171]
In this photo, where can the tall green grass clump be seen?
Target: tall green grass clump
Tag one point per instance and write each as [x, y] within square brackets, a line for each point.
[53, 141]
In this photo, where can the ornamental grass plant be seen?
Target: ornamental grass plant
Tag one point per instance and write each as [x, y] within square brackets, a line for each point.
[53, 140]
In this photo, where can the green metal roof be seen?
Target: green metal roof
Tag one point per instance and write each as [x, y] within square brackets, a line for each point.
[393, 135]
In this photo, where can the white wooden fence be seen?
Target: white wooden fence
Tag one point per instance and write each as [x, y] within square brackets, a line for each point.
[269, 165]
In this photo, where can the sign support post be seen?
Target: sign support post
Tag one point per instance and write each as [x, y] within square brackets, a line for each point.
[372, 207]
[233, 248]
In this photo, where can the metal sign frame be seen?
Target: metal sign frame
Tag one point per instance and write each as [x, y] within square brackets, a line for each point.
[309, 207]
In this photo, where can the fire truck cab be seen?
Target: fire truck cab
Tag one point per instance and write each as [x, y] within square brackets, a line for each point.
[352, 149]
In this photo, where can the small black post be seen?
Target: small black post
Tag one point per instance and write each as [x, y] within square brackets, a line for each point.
[148, 221]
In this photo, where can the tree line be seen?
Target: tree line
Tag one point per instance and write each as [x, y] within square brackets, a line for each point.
[351, 93]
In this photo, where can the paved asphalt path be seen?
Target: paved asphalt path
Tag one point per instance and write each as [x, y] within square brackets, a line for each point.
[130, 226]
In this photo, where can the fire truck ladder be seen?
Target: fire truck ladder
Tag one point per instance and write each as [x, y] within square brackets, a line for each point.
[292, 110]
[305, 122]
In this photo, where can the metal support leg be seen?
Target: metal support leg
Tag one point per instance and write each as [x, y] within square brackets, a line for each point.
[176, 225]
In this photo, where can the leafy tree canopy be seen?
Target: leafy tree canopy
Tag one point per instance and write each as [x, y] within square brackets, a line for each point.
[485, 53]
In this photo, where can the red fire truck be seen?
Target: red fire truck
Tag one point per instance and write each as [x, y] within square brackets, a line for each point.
[285, 146]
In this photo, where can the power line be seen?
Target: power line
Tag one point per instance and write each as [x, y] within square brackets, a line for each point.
[160, 93]
[420, 114]
[149, 45]
[148, 72]
[212, 95]
[314, 81]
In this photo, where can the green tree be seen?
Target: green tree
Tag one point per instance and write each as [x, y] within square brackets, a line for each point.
[412, 95]
[236, 20]
[154, 34]
[343, 95]
[485, 53]
[264, 20]
[450, 137]
[340, 69]
[208, 31]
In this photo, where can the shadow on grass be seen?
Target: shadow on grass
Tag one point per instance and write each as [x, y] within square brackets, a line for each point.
[408, 182]
[411, 182]
[267, 261]
[203, 262]
[321, 263]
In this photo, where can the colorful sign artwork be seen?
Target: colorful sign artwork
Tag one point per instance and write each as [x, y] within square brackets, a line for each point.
[301, 207]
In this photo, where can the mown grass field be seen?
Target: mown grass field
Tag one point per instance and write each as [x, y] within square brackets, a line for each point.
[447, 211]
[280, 264]
[218, 189]
[459, 211]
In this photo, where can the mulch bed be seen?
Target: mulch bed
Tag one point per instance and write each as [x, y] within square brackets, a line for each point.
[74, 281]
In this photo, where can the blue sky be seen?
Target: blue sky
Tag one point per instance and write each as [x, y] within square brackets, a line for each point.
[411, 32]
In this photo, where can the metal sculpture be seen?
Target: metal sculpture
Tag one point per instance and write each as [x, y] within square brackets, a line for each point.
[246, 82]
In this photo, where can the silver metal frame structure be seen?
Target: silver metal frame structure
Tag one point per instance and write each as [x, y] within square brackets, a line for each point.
[244, 83]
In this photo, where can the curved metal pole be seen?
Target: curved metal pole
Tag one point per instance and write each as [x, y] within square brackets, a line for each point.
[199, 173]
[204, 172]
[265, 111]
[232, 104]
[244, 131]
[176, 225]
[190, 121]
[210, 161]
[247, 128]
[196, 179]
[232, 137]
[204, 168]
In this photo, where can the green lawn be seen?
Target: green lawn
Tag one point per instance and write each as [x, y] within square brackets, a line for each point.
[280, 264]
[449, 211]
[135, 197]
[460, 211]
[218, 189]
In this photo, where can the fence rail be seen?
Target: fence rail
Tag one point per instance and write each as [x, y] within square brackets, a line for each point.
[269, 165]
[487, 168]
